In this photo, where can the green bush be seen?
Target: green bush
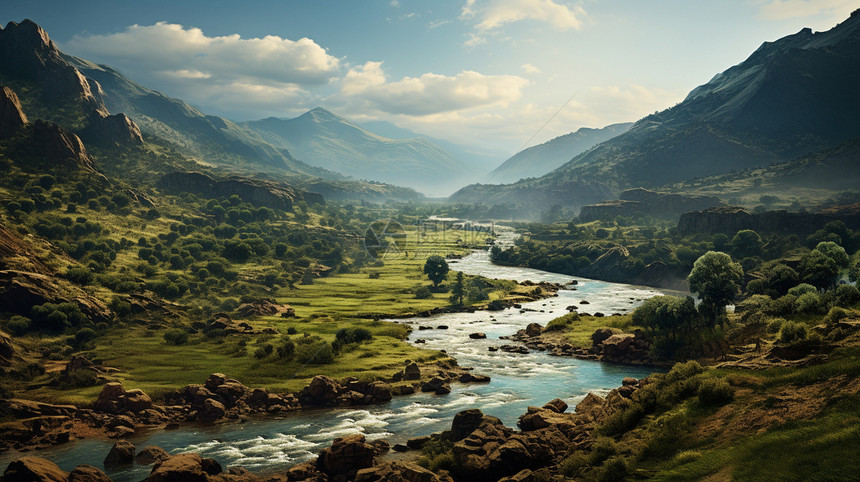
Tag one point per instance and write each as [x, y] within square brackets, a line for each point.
[808, 303]
[792, 332]
[715, 391]
[176, 336]
[84, 335]
[562, 322]
[317, 352]
[602, 449]
[422, 293]
[802, 289]
[18, 325]
[352, 335]
[837, 314]
[774, 325]
[286, 349]
[79, 275]
[263, 351]
[615, 469]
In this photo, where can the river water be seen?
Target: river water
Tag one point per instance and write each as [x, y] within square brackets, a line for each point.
[518, 380]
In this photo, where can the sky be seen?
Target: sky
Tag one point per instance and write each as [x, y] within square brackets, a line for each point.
[498, 75]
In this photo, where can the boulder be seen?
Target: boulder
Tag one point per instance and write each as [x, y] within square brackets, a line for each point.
[617, 345]
[533, 329]
[211, 411]
[399, 471]
[346, 456]
[412, 371]
[477, 336]
[33, 469]
[115, 399]
[322, 390]
[415, 443]
[600, 335]
[379, 391]
[465, 422]
[122, 453]
[87, 473]
[434, 384]
[183, 467]
[150, 455]
[558, 405]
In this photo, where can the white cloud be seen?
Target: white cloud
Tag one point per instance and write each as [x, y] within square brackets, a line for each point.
[530, 69]
[187, 63]
[429, 93]
[492, 14]
[783, 9]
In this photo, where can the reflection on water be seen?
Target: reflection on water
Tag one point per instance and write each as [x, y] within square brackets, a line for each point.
[518, 380]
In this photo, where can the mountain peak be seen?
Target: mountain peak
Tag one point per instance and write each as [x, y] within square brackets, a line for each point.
[319, 114]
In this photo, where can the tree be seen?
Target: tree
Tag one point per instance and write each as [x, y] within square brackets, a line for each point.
[458, 291]
[746, 243]
[835, 252]
[716, 279]
[667, 316]
[817, 269]
[436, 269]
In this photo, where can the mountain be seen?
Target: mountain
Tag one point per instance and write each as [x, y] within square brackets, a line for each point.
[541, 159]
[478, 158]
[78, 95]
[791, 97]
[324, 139]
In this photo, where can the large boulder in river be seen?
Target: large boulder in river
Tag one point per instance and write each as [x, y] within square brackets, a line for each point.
[122, 453]
[211, 411]
[184, 467]
[87, 473]
[322, 390]
[346, 456]
[33, 469]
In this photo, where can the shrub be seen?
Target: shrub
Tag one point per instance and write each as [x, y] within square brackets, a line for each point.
[836, 314]
[84, 335]
[774, 325]
[422, 293]
[802, 289]
[286, 349]
[792, 332]
[263, 351]
[715, 391]
[315, 352]
[808, 303]
[176, 336]
[614, 469]
[120, 306]
[562, 322]
[79, 379]
[847, 296]
[79, 275]
[602, 449]
[352, 335]
[18, 325]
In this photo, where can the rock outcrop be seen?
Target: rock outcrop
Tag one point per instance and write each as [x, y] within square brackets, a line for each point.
[255, 191]
[53, 146]
[264, 307]
[325, 391]
[111, 130]
[730, 220]
[346, 456]
[116, 399]
[639, 202]
[28, 54]
[34, 469]
[20, 291]
[12, 117]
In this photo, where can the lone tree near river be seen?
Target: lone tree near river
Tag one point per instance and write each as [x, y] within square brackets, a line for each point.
[436, 268]
[717, 281]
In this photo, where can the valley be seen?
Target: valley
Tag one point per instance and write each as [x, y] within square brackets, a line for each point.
[317, 296]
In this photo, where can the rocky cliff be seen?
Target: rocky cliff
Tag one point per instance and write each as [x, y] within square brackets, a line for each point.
[730, 220]
[571, 193]
[112, 130]
[28, 54]
[255, 191]
[12, 117]
[53, 146]
[639, 202]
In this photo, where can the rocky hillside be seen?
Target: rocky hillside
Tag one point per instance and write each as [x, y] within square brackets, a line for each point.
[741, 119]
[541, 159]
[324, 139]
[642, 202]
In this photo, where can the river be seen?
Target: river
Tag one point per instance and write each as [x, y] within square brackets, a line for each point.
[518, 380]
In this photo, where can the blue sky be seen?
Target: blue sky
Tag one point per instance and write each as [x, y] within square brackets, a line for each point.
[489, 73]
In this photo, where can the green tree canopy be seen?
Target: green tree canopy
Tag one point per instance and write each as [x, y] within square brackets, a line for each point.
[746, 243]
[817, 269]
[667, 316]
[436, 268]
[458, 291]
[835, 252]
[716, 279]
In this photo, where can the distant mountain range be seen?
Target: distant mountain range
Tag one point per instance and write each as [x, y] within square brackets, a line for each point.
[541, 159]
[327, 140]
[791, 97]
[318, 144]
